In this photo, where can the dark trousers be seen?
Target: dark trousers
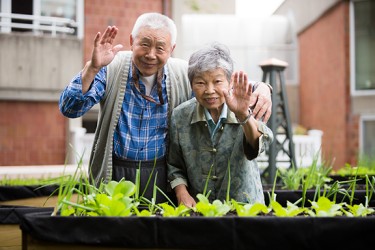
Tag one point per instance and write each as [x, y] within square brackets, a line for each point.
[127, 169]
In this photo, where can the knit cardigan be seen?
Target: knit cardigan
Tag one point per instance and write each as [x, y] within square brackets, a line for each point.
[178, 91]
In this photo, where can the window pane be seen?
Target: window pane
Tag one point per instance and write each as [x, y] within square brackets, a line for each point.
[364, 12]
[369, 138]
[59, 8]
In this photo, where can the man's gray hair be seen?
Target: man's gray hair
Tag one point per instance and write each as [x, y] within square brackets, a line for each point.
[155, 21]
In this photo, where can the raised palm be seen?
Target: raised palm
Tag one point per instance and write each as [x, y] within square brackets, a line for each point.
[238, 98]
[104, 51]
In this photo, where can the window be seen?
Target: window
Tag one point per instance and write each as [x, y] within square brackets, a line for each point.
[368, 136]
[21, 7]
[363, 46]
[59, 8]
[42, 16]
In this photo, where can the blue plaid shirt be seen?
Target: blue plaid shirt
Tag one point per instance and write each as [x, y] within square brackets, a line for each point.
[142, 127]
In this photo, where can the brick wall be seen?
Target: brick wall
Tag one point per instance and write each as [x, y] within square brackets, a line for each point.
[31, 133]
[34, 133]
[325, 85]
[121, 13]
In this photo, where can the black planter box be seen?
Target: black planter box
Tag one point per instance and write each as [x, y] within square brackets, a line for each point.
[13, 214]
[10, 216]
[282, 196]
[230, 232]
[8, 193]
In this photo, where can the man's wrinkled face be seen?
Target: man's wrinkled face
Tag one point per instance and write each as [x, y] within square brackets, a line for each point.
[151, 50]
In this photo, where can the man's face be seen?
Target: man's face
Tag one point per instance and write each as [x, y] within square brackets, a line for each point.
[151, 50]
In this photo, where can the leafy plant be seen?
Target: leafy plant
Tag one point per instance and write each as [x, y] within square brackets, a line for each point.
[249, 209]
[290, 211]
[214, 209]
[171, 211]
[358, 210]
[324, 207]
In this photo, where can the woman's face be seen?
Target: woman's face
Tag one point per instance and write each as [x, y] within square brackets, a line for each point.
[208, 89]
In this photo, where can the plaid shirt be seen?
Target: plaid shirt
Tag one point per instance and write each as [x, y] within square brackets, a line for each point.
[142, 127]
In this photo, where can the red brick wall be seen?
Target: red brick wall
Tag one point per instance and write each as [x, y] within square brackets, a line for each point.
[31, 133]
[325, 85]
[122, 13]
[34, 133]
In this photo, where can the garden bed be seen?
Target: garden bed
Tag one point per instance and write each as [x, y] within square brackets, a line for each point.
[41, 230]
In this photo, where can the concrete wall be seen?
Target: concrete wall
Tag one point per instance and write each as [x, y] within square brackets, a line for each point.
[305, 12]
[36, 68]
[181, 8]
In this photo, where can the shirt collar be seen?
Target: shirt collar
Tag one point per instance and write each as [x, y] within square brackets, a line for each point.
[223, 115]
[199, 114]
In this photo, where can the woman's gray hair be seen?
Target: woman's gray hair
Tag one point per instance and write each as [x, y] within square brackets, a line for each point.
[211, 57]
[155, 21]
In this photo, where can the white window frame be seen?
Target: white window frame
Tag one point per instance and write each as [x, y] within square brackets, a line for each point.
[363, 119]
[6, 8]
[353, 90]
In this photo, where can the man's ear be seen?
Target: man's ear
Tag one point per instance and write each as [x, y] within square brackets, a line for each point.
[174, 46]
[131, 41]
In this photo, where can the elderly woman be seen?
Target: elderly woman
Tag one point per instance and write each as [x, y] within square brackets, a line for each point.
[215, 133]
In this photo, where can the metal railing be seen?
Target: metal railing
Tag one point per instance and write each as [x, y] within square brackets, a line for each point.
[37, 24]
[307, 151]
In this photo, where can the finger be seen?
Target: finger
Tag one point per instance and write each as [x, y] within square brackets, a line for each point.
[112, 34]
[97, 39]
[248, 86]
[106, 35]
[267, 115]
[235, 79]
[231, 81]
[117, 48]
[258, 104]
[262, 108]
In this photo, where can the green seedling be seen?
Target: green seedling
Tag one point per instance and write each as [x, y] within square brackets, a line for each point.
[249, 210]
[214, 209]
[325, 208]
[358, 210]
[290, 211]
[171, 211]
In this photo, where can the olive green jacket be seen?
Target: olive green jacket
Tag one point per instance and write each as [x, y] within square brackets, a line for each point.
[196, 161]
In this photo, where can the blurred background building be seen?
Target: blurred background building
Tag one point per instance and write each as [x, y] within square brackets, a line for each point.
[329, 46]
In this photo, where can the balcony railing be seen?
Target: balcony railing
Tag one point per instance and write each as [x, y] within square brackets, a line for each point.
[37, 24]
[307, 148]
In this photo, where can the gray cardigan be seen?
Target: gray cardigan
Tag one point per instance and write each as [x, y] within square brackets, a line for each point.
[178, 91]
